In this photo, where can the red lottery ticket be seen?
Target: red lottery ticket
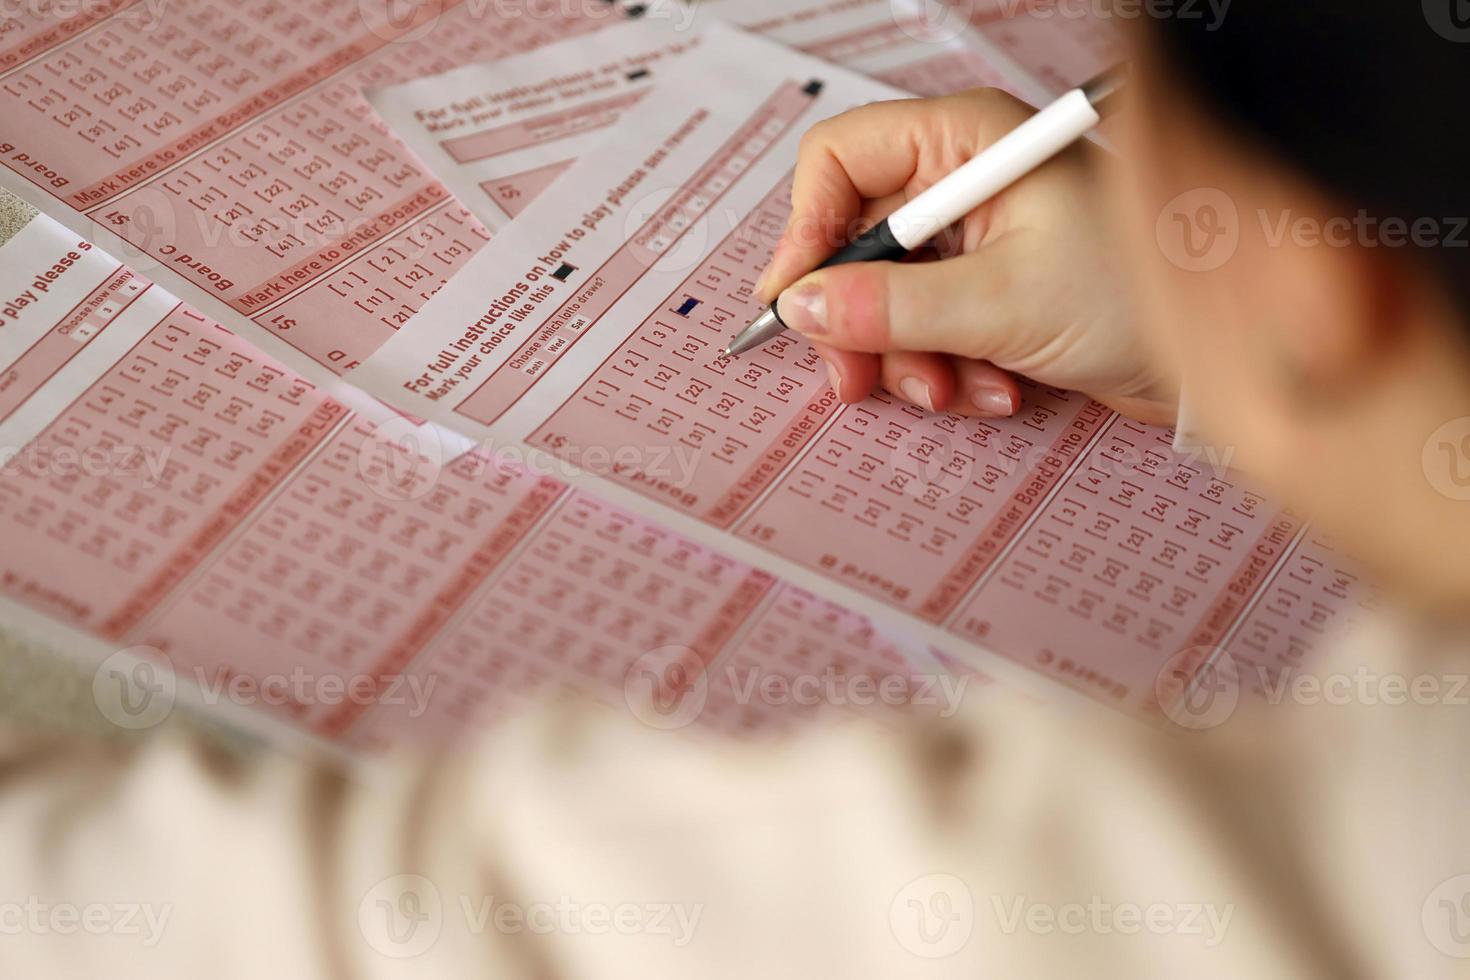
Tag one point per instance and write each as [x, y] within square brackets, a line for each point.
[1057, 42]
[225, 150]
[499, 132]
[210, 525]
[168, 482]
[1068, 538]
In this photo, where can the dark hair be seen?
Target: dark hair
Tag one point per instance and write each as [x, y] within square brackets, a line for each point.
[1367, 98]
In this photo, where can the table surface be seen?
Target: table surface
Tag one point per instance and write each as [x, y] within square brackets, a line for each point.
[14, 213]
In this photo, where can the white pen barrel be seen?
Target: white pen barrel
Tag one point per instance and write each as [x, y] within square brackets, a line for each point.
[993, 169]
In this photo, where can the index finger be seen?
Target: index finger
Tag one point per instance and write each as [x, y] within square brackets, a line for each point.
[875, 151]
[841, 161]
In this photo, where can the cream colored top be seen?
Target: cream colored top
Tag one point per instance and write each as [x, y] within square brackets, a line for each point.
[1324, 836]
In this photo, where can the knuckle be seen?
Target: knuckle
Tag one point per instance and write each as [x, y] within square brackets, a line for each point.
[993, 107]
[989, 97]
[988, 94]
[858, 298]
[814, 140]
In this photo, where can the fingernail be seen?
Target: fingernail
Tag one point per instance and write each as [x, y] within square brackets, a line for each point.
[917, 392]
[804, 309]
[835, 377]
[993, 401]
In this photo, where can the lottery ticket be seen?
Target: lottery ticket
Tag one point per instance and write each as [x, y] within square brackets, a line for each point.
[1068, 538]
[210, 528]
[224, 149]
[497, 133]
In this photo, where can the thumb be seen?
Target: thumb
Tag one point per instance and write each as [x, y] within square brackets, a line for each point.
[965, 305]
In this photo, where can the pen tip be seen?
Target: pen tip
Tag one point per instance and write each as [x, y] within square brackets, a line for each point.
[726, 352]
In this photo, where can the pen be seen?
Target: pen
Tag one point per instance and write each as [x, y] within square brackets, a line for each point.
[986, 174]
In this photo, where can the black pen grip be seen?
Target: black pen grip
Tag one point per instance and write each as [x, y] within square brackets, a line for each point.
[877, 244]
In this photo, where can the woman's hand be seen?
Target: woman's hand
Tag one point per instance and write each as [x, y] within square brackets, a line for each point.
[1030, 284]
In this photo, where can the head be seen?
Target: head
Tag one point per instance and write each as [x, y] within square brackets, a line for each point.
[1296, 187]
